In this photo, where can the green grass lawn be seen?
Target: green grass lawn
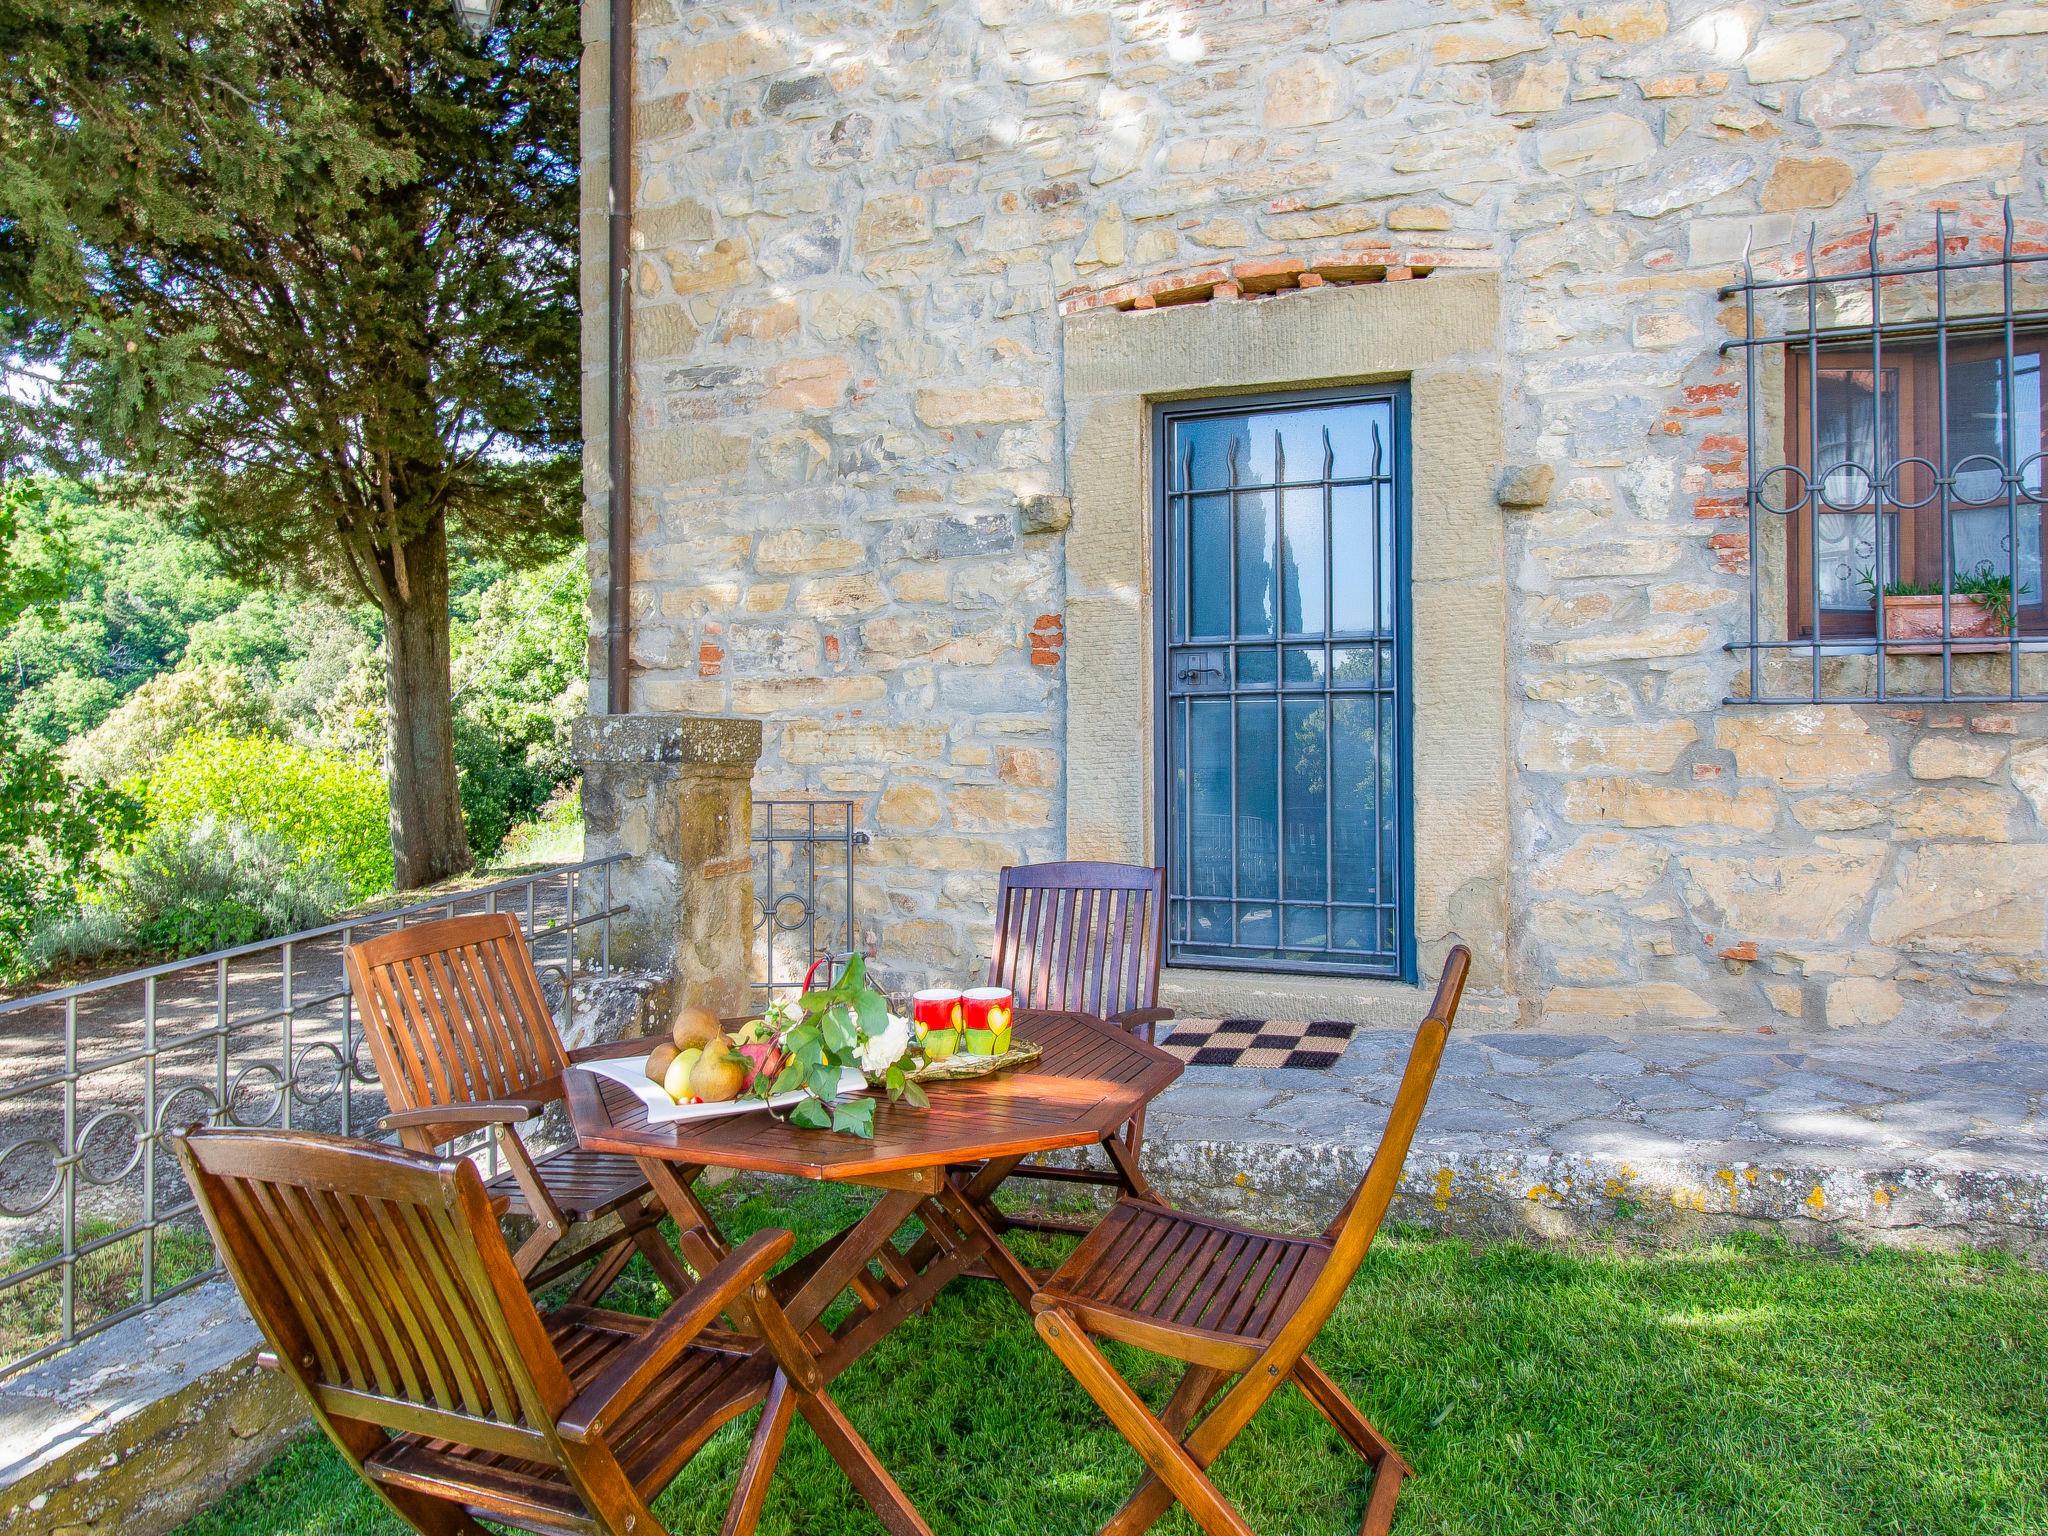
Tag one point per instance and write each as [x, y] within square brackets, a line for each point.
[1745, 1388]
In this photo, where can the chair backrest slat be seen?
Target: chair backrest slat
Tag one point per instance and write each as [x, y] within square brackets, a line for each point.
[379, 1277]
[454, 1012]
[1081, 935]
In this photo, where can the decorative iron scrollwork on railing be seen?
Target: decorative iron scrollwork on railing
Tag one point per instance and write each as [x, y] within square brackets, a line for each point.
[95, 1078]
[1896, 449]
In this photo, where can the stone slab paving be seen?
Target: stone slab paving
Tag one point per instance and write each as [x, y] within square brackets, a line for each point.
[1888, 1138]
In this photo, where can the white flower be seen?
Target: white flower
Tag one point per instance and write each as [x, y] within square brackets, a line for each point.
[878, 1053]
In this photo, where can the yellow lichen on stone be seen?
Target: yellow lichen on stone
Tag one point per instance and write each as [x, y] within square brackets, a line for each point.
[1817, 1200]
[1444, 1178]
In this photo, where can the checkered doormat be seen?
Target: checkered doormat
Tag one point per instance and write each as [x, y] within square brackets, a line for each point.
[1258, 1042]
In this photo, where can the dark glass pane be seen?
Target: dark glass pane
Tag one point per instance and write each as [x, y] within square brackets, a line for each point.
[1301, 568]
[1258, 667]
[1304, 790]
[1307, 930]
[1355, 800]
[1176, 568]
[1354, 665]
[1209, 537]
[1351, 929]
[1303, 666]
[1258, 798]
[1209, 834]
[1355, 553]
[1257, 539]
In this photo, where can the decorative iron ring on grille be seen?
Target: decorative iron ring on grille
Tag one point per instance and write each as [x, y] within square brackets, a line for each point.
[1893, 497]
[2007, 479]
[126, 1117]
[51, 1150]
[300, 1078]
[278, 1091]
[165, 1124]
[773, 911]
[1819, 487]
[1792, 472]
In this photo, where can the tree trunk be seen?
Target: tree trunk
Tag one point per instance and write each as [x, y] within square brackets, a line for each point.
[428, 842]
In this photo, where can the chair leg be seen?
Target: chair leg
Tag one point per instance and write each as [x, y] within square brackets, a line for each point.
[610, 1265]
[1191, 1397]
[425, 1514]
[1388, 1466]
[751, 1492]
[1180, 1477]
[660, 1256]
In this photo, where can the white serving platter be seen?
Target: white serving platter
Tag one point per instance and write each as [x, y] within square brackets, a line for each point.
[662, 1110]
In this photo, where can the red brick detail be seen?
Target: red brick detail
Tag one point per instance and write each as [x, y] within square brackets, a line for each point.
[1746, 950]
[1260, 276]
[832, 649]
[1048, 637]
[710, 659]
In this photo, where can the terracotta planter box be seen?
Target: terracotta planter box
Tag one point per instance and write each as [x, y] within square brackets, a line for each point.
[1917, 622]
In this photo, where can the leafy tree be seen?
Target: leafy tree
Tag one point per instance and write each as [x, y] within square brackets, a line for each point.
[313, 261]
[52, 831]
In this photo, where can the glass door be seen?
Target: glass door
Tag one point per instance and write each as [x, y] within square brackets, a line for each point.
[1284, 763]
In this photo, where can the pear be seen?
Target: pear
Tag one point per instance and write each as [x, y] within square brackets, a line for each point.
[658, 1061]
[719, 1074]
[676, 1084]
[694, 1026]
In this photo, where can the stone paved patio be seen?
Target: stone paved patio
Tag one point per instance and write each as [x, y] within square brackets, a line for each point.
[1888, 1139]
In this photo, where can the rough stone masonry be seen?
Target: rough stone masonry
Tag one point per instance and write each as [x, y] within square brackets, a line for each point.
[862, 229]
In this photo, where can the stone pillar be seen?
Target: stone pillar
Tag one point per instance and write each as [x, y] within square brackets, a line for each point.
[671, 792]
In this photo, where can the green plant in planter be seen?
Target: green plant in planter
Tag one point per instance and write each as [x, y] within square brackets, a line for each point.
[1984, 586]
[1993, 592]
[847, 1024]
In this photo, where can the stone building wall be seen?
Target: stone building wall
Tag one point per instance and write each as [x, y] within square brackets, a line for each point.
[861, 232]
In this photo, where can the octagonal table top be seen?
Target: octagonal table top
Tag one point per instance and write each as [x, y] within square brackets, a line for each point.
[1091, 1078]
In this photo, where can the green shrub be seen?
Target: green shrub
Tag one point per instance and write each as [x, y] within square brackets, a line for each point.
[202, 700]
[331, 808]
[497, 788]
[201, 885]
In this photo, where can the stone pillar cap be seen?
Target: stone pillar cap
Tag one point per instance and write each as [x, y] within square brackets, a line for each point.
[700, 740]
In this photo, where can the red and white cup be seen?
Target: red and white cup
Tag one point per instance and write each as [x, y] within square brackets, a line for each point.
[985, 1016]
[935, 1013]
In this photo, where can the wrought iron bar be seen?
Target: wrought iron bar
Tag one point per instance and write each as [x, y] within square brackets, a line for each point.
[1916, 316]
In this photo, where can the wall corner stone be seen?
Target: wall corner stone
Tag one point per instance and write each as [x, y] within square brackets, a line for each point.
[672, 794]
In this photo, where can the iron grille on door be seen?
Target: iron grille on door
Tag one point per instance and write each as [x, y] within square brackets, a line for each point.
[1284, 760]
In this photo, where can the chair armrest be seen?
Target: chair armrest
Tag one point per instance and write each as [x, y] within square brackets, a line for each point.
[643, 1363]
[1132, 1018]
[615, 1048]
[464, 1116]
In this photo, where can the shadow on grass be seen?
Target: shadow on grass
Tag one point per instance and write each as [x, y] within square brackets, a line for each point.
[1742, 1388]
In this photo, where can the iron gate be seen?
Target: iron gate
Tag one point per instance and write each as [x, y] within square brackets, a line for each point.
[803, 887]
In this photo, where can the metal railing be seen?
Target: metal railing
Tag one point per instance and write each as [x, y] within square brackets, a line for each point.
[96, 1224]
[803, 887]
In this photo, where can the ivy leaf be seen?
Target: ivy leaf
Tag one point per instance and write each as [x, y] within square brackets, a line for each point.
[823, 1081]
[894, 1080]
[838, 1031]
[873, 1009]
[914, 1095]
[813, 1116]
[791, 1076]
[856, 1117]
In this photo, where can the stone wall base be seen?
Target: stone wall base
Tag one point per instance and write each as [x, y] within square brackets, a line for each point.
[139, 1429]
[1560, 1196]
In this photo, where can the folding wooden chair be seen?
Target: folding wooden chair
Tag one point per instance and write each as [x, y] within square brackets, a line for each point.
[1086, 936]
[464, 1041]
[387, 1296]
[1231, 1301]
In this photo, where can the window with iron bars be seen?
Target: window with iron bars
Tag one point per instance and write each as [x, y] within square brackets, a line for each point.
[1897, 439]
